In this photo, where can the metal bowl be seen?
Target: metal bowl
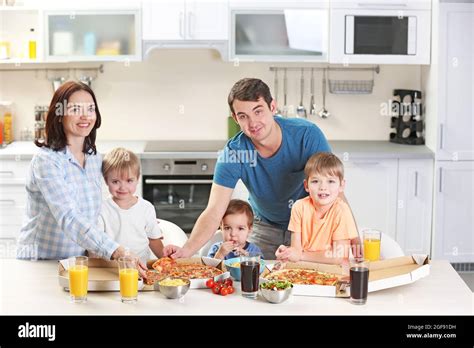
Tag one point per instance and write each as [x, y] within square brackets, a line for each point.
[276, 296]
[171, 291]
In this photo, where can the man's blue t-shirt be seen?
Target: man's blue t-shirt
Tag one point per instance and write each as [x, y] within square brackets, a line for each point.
[274, 183]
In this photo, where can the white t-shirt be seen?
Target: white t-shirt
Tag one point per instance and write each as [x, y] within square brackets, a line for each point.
[130, 227]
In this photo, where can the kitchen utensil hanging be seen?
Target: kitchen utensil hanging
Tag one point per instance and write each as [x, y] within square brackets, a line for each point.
[301, 110]
[275, 91]
[324, 113]
[312, 105]
[351, 86]
[284, 112]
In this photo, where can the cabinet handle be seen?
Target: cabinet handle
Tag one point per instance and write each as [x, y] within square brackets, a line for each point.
[441, 136]
[181, 24]
[366, 163]
[190, 25]
[416, 184]
[7, 201]
[380, 4]
[6, 172]
[440, 179]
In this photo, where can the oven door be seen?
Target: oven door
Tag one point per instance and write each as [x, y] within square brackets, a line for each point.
[178, 198]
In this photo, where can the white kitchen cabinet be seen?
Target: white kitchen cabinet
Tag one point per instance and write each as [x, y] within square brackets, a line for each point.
[12, 195]
[286, 34]
[93, 35]
[371, 190]
[185, 20]
[415, 199]
[454, 232]
[456, 82]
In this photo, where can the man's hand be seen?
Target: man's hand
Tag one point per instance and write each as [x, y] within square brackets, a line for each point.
[175, 252]
[122, 252]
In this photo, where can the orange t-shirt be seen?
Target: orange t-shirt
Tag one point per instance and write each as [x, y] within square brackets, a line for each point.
[318, 233]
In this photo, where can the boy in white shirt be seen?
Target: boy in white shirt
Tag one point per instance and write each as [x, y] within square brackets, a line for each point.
[127, 218]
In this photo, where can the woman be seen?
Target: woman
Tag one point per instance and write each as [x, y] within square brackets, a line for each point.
[64, 183]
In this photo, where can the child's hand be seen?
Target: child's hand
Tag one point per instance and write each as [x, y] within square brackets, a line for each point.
[282, 253]
[225, 248]
[285, 254]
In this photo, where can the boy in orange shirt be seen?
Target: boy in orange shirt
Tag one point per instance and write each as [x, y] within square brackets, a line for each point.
[321, 224]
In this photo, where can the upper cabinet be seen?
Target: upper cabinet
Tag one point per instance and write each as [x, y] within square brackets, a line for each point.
[92, 35]
[185, 20]
[260, 31]
[380, 32]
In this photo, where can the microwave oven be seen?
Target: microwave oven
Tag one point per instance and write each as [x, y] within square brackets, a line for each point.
[368, 33]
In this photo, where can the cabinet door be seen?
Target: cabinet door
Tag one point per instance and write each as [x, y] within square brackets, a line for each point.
[456, 87]
[164, 20]
[454, 226]
[207, 20]
[93, 35]
[279, 35]
[371, 190]
[415, 193]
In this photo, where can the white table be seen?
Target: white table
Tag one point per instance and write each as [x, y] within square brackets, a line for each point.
[31, 288]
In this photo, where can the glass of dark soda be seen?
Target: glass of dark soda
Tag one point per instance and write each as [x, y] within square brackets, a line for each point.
[250, 271]
[359, 273]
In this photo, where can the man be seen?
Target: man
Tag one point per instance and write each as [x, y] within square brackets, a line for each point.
[269, 156]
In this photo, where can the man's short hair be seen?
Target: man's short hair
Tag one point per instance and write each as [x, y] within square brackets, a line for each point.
[249, 89]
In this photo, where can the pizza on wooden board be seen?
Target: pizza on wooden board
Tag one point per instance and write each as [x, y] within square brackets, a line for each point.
[167, 267]
[303, 276]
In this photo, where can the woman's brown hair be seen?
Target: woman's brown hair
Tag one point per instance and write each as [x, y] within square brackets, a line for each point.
[55, 136]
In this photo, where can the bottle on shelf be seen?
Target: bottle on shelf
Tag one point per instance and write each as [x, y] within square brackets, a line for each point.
[32, 44]
[7, 127]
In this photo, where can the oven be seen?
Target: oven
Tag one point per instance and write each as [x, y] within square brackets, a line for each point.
[178, 188]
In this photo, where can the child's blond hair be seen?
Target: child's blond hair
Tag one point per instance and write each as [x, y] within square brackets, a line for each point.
[122, 161]
[324, 163]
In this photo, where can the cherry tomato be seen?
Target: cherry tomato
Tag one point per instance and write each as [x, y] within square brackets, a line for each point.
[230, 289]
[224, 291]
[216, 289]
[228, 282]
[210, 283]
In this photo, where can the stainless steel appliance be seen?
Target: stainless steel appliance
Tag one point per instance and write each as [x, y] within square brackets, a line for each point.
[177, 178]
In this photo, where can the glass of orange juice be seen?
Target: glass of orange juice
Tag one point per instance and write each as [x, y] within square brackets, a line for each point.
[128, 274]
[372, 239]
[78, 277]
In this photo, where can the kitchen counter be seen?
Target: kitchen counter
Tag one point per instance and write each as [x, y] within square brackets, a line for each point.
[350, 149]
[32, 288]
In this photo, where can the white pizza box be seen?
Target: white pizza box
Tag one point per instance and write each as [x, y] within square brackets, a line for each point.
[195, 283]
[383, 274]
[103, 275]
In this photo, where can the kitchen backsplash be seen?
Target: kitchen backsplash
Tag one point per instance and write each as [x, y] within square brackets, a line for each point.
[182, 94]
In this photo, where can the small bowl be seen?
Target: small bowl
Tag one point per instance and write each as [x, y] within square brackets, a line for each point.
[276, 296]
[172, 291]
[235, 271]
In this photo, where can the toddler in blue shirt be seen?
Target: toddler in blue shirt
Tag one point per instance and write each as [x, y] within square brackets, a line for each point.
[236, 225]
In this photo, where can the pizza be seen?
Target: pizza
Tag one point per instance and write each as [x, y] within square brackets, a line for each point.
[303, 276]
[169, 268]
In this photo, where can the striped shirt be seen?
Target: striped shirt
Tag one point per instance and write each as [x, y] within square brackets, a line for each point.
[62, 209]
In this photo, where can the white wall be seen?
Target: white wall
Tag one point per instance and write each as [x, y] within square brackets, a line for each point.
[143, 101]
